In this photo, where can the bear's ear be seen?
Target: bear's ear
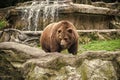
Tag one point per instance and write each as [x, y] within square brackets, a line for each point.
[70, 30]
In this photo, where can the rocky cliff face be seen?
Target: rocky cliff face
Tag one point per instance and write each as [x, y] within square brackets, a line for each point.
[32, 15]
[19, 61]
[84, 17]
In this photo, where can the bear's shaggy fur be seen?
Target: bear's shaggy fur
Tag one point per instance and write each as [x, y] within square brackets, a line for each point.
[59, 36]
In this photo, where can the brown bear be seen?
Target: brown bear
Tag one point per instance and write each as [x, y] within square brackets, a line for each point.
[59, 36]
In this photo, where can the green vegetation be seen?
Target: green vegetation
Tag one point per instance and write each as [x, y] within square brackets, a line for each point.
[108, 45]
[3, 24]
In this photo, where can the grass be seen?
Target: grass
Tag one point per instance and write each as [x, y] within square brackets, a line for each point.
[109, 45]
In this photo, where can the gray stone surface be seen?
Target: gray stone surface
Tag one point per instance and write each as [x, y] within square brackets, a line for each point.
[34, 64]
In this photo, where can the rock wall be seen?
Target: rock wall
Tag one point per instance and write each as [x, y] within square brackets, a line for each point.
[31, 63]
[88, 21]
[84, 17]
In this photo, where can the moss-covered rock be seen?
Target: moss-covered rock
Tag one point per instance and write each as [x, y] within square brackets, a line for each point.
[97, 69]
[19, 61]
[7, 70]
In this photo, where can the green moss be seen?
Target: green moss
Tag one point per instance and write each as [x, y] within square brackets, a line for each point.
[84, 73]
[57, 64]
[65, 51]
[3, 24]
[7, 70]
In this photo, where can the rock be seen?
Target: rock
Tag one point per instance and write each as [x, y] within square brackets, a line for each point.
[81, 15]
[34, 64]
[7, 70]
[108, 5]
[82, 1]
[97, 69]
[14, 35]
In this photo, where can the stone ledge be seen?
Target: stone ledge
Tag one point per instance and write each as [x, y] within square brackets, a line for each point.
[87, 9]
[79, 8]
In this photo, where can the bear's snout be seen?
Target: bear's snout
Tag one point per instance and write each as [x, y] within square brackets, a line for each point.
[63, 44]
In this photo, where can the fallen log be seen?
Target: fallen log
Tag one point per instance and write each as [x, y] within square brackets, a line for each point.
[79, 31]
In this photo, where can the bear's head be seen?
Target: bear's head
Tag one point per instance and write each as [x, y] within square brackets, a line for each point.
[65, 35]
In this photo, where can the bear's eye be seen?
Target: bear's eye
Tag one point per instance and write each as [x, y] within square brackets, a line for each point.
[59, 31]
[69, 30]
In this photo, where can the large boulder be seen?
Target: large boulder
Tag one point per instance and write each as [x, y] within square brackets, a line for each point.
[32, 63]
